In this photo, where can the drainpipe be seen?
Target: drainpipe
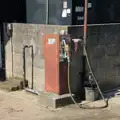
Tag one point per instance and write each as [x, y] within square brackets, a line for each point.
[47, 11]
[85, 21]
[24, 64]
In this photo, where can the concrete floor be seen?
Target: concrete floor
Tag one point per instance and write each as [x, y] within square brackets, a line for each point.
[24, 106]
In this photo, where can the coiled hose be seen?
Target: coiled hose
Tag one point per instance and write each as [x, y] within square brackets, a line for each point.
[96, 82]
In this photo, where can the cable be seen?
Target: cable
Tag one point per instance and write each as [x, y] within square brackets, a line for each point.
[89, 66]
[95, 80]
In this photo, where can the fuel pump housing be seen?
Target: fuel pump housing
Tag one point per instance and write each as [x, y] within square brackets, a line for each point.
[57, 50]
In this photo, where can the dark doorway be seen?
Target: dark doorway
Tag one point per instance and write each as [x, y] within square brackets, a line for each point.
[13, 11]
[2, 54]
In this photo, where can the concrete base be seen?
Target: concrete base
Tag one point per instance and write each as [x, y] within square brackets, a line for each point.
[12, 85]
[54, 101]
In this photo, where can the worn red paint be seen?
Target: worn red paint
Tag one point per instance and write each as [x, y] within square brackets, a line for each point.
[55, 72]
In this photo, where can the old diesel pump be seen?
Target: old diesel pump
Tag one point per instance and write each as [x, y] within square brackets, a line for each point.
[56, 53]
[59, 52]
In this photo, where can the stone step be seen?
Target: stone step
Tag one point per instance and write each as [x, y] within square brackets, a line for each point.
[54, 101]
[11, 85]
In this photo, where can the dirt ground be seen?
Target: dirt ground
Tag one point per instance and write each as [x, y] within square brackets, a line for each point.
[24, 106]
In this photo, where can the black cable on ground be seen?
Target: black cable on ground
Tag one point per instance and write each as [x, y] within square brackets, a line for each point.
[96, 82]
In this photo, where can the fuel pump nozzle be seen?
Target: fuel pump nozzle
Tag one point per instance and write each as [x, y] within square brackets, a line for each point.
[65, 50]
[76, 42]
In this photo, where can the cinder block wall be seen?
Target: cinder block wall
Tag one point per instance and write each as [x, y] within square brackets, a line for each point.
[103, 46]
[103, 43]
[28, 34]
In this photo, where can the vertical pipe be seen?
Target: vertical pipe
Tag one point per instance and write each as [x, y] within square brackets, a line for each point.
[24, 68]
[85, 21]
[47, 11]
[32, 67]
[11, 31]
[24, 65]
[85, 37]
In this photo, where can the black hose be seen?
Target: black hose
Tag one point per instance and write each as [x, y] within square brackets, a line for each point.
[95, 80]
[24, 67]
[32, 56]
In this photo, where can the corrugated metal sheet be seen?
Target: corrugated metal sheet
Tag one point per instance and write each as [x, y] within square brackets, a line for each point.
[107, 11]
[37, 10]
[56, 10]
[102, 11]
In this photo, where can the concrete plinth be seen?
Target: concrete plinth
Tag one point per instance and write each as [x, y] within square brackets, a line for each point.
[53, 100]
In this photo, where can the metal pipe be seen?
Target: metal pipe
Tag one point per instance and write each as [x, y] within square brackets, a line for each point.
[47, 11]
[32, 56]
[85, 21]
[24, 65]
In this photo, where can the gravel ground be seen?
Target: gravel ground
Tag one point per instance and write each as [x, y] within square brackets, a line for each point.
[24, 106]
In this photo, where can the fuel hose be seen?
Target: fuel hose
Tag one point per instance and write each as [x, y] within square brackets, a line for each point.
[83, 106]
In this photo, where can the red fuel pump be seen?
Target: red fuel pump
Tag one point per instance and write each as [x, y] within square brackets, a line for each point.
[56, 50]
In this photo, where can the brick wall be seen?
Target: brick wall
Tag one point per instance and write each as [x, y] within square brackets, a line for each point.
[103, 46]
[103, 43]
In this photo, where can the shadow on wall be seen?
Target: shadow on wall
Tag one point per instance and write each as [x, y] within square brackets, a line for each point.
[103, 43]
[6, 34]
[2, 50]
